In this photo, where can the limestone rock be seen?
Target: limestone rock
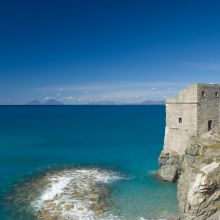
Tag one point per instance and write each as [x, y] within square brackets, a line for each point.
[215, 216]
[169, 166]
[199, 185]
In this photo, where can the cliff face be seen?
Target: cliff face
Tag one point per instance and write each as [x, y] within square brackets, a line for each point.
[198, 174]
[199, 183]
[191, 154]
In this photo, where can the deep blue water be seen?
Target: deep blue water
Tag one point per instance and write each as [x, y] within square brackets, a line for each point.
[125, 138]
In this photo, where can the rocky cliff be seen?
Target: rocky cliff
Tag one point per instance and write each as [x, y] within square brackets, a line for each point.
[197, 173]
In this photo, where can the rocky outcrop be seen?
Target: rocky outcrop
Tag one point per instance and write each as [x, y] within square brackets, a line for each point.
[170, 167]
[197, 173]
[199, 183]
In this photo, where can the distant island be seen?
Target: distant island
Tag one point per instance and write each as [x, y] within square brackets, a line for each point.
[47, 102]
[147, 102]
[103, 102]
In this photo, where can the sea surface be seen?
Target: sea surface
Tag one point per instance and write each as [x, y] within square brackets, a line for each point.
[82, 162]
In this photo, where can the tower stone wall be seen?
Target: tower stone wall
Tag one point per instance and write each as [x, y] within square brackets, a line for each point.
[208, 108]
[195, 112]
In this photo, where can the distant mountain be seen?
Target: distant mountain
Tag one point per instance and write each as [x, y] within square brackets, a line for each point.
[152, 102]
[52, 102]
[147, 102]
[47, 102]
[34, 102]
[104, 103]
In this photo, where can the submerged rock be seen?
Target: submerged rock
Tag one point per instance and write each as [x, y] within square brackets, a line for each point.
[75, 193]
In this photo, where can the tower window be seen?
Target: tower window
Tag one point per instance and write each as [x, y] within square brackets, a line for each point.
[216, 94]
[180, 120]
[209, 125]
[203, 94]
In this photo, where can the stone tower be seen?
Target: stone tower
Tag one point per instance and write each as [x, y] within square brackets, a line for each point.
[194, 113]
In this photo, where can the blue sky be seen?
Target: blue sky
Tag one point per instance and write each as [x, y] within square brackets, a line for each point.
[118, 50]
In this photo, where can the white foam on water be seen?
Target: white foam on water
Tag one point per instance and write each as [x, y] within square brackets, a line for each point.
[69, 194]
[152, 172]
[57, 186]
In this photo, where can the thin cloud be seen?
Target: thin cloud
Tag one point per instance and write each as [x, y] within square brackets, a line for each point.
[204, 65]
[47, 97]
[116, 85]
[123, 92]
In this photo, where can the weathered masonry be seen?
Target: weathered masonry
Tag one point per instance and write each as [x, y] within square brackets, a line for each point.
[196, 111]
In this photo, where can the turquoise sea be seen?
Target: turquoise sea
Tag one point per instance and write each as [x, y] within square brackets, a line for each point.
[118, 144]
